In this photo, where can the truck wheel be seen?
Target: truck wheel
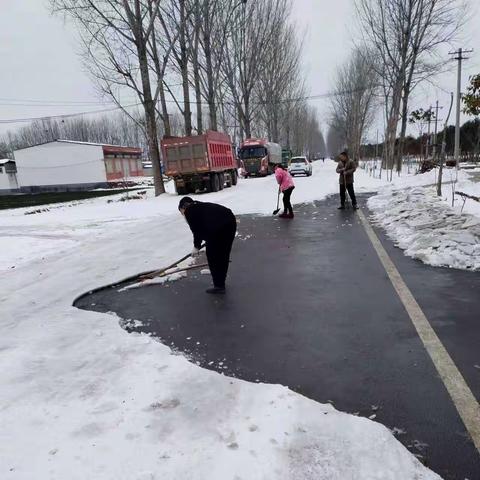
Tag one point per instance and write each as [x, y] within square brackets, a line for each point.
[234, 175]
[221, 180]
[181, 190]
[214, 183]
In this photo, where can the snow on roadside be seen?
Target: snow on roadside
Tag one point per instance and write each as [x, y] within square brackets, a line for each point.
[469, 185]
[160, 280]
[427, 228]
[80, 398]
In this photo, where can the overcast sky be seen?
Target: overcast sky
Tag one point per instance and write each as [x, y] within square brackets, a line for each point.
[40, 65]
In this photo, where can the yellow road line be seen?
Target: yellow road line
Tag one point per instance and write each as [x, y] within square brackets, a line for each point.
[463, 398]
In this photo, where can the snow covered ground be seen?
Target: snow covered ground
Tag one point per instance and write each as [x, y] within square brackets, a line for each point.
[80, 398]
[427, 227]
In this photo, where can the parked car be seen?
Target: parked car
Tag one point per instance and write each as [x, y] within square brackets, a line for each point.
[300, 166]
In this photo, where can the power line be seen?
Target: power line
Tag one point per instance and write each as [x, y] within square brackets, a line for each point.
[67, 115]
[23, 101]
[320, 96]
[50, 104]
[4, 101]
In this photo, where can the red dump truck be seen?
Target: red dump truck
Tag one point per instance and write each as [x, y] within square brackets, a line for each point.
[202, 162]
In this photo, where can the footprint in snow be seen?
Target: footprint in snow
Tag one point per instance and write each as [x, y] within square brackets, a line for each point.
[164, 405]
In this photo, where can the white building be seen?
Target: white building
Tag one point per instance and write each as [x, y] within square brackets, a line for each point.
[69, 165]
[8, 176]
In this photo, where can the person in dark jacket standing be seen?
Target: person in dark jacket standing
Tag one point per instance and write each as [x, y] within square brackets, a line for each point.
[216, 226]
[346, 168]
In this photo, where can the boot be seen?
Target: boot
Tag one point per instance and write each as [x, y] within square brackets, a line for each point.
[290, 215]
[283, 215]
[355, 207]
[216, 290]
[341, 207]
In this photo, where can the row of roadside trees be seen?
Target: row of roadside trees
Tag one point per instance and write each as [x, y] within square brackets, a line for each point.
[228, 65]
[399, 45]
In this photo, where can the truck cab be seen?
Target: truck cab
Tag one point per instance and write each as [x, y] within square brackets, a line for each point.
[258, 157]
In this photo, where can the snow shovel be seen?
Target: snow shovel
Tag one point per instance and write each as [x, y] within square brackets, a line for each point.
[157, 273]
[278, 203]
[166, 273]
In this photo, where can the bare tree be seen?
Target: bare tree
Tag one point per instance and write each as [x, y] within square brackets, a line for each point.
[114, 128]
[353, 102]
[404, 36]
[215, 20]
[116, 35]
[281, 76]
[335, 141]
[240, 58]
[245, 53]
[176, 29]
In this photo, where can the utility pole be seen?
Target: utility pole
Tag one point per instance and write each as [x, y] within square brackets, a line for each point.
[459, 57]
[429, 139]
[444, 146]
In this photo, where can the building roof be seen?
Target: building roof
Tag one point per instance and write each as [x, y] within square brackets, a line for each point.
[80, 143]
[110, 148]
[3, 161]
[113, 149]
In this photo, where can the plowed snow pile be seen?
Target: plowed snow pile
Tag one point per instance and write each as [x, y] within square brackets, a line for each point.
[427, 228]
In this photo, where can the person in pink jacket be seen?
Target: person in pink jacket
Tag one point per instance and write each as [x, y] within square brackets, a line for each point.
[286, 185]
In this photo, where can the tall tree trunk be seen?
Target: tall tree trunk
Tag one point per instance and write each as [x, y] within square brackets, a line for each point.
[198, 97]
[148, 104]
[212, 108]
[152, 138]
[187, 113]
[246, 119]
[275, 124]
[392, 125]
[196, 69]
[165, 116]
[403, 130]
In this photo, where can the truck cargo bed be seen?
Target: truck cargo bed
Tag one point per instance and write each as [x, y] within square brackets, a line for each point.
[210, 152]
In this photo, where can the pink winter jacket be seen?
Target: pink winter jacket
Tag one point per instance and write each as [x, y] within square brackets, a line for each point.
[284, 179]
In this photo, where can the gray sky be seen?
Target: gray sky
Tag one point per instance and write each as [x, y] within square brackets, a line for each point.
[39, 59]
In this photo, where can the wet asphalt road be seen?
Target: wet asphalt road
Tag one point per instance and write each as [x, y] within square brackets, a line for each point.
[310, 306]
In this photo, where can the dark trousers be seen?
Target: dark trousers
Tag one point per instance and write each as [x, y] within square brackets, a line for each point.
[218, 253]
[351, 192]
[287, 206]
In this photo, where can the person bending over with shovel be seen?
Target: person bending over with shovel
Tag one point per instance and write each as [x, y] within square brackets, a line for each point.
[346, 169]
[286, 186]
[216, 226]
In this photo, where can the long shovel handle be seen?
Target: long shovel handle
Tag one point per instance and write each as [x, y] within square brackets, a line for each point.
[164, 273]
[278, 203]
[347, 199]
[156, 273]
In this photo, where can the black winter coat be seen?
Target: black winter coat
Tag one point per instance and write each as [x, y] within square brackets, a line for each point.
[208, 221]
